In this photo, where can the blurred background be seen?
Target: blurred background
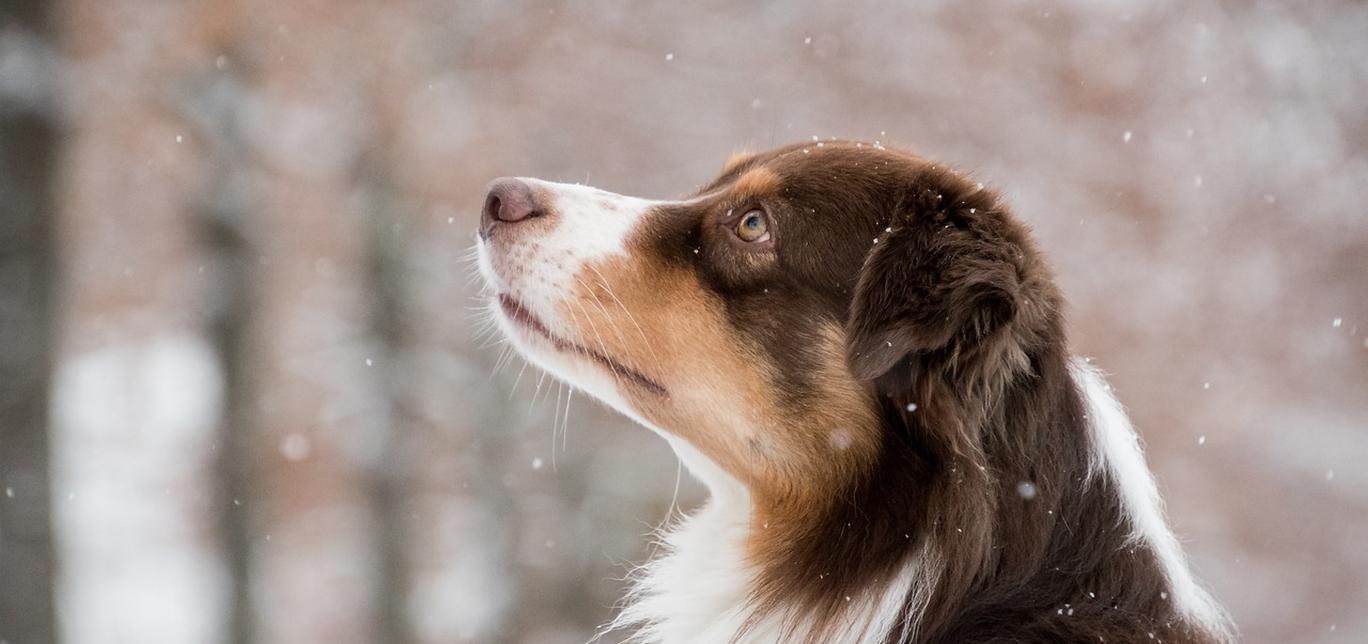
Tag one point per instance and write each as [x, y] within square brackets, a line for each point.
[242, 395]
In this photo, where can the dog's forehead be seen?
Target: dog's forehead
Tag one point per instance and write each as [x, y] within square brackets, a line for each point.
[827, 204]
[835, 194]
[831, 199]
[819, 162]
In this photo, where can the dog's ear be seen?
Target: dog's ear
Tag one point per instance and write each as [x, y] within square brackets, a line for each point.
[942, 277]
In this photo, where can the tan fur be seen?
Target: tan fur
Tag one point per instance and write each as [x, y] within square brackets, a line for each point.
[736, 159]
[881, 432]
[722, 390]
[718, 392]
[834, 434]
[757, 182]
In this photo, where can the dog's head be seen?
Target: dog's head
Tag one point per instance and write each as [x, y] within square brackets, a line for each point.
[778, 319]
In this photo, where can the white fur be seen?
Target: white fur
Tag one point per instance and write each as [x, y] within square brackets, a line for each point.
[698, 591]
[1117, 452]
[540, 269]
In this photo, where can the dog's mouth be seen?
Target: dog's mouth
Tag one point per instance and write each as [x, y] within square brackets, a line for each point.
[519, 314]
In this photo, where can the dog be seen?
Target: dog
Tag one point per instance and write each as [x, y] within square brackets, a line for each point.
[861, 353]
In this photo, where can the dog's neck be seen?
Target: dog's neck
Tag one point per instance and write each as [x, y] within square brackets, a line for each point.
[696, 589]
[702, 587]
[705, 586]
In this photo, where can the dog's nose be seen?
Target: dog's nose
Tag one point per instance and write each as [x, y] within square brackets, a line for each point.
[509, 201]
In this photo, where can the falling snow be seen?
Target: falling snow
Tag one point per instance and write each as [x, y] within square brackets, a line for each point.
[295, 446]
[138, 406]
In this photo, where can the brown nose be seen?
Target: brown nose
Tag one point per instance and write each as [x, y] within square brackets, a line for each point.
[510, 201]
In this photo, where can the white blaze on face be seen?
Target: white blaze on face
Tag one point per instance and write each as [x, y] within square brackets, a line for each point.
[541, 263]
[539, 266]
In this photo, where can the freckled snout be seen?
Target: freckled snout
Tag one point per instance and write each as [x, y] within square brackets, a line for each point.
[510, 201]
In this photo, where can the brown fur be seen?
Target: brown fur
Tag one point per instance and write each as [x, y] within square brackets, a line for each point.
[891, 282]
[737, 159]
[756, 183]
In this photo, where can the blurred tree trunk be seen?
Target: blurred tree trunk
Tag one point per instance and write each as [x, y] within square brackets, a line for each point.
[459, 571]
[225, 223]
[228, 330]
[387, 256]
[28, 138]
[137, 387]
[315, 440]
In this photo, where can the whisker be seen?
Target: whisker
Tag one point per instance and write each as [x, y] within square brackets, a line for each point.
[485, 327]
[674, 498]
[535, 392]
[494, 341]
[505, 357]
[555, 421]
[617, 377]
[494, 338]
[565, 419]
[607, 318]
[632, 318]
[518, 379]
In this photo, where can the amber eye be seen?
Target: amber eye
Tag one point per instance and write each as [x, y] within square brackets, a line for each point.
[753, 227]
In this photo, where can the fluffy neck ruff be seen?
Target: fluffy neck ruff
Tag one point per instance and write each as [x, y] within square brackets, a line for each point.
[1048, 529]
[705, 586]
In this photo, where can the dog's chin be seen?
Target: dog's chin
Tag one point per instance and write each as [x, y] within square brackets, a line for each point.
[536, 342]
[567, 361]
[527, 323]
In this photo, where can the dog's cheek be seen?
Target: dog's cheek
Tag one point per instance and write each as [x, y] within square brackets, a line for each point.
[824, 437]
[657, 319]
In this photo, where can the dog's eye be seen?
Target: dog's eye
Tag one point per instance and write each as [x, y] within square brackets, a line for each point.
[753, 227]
